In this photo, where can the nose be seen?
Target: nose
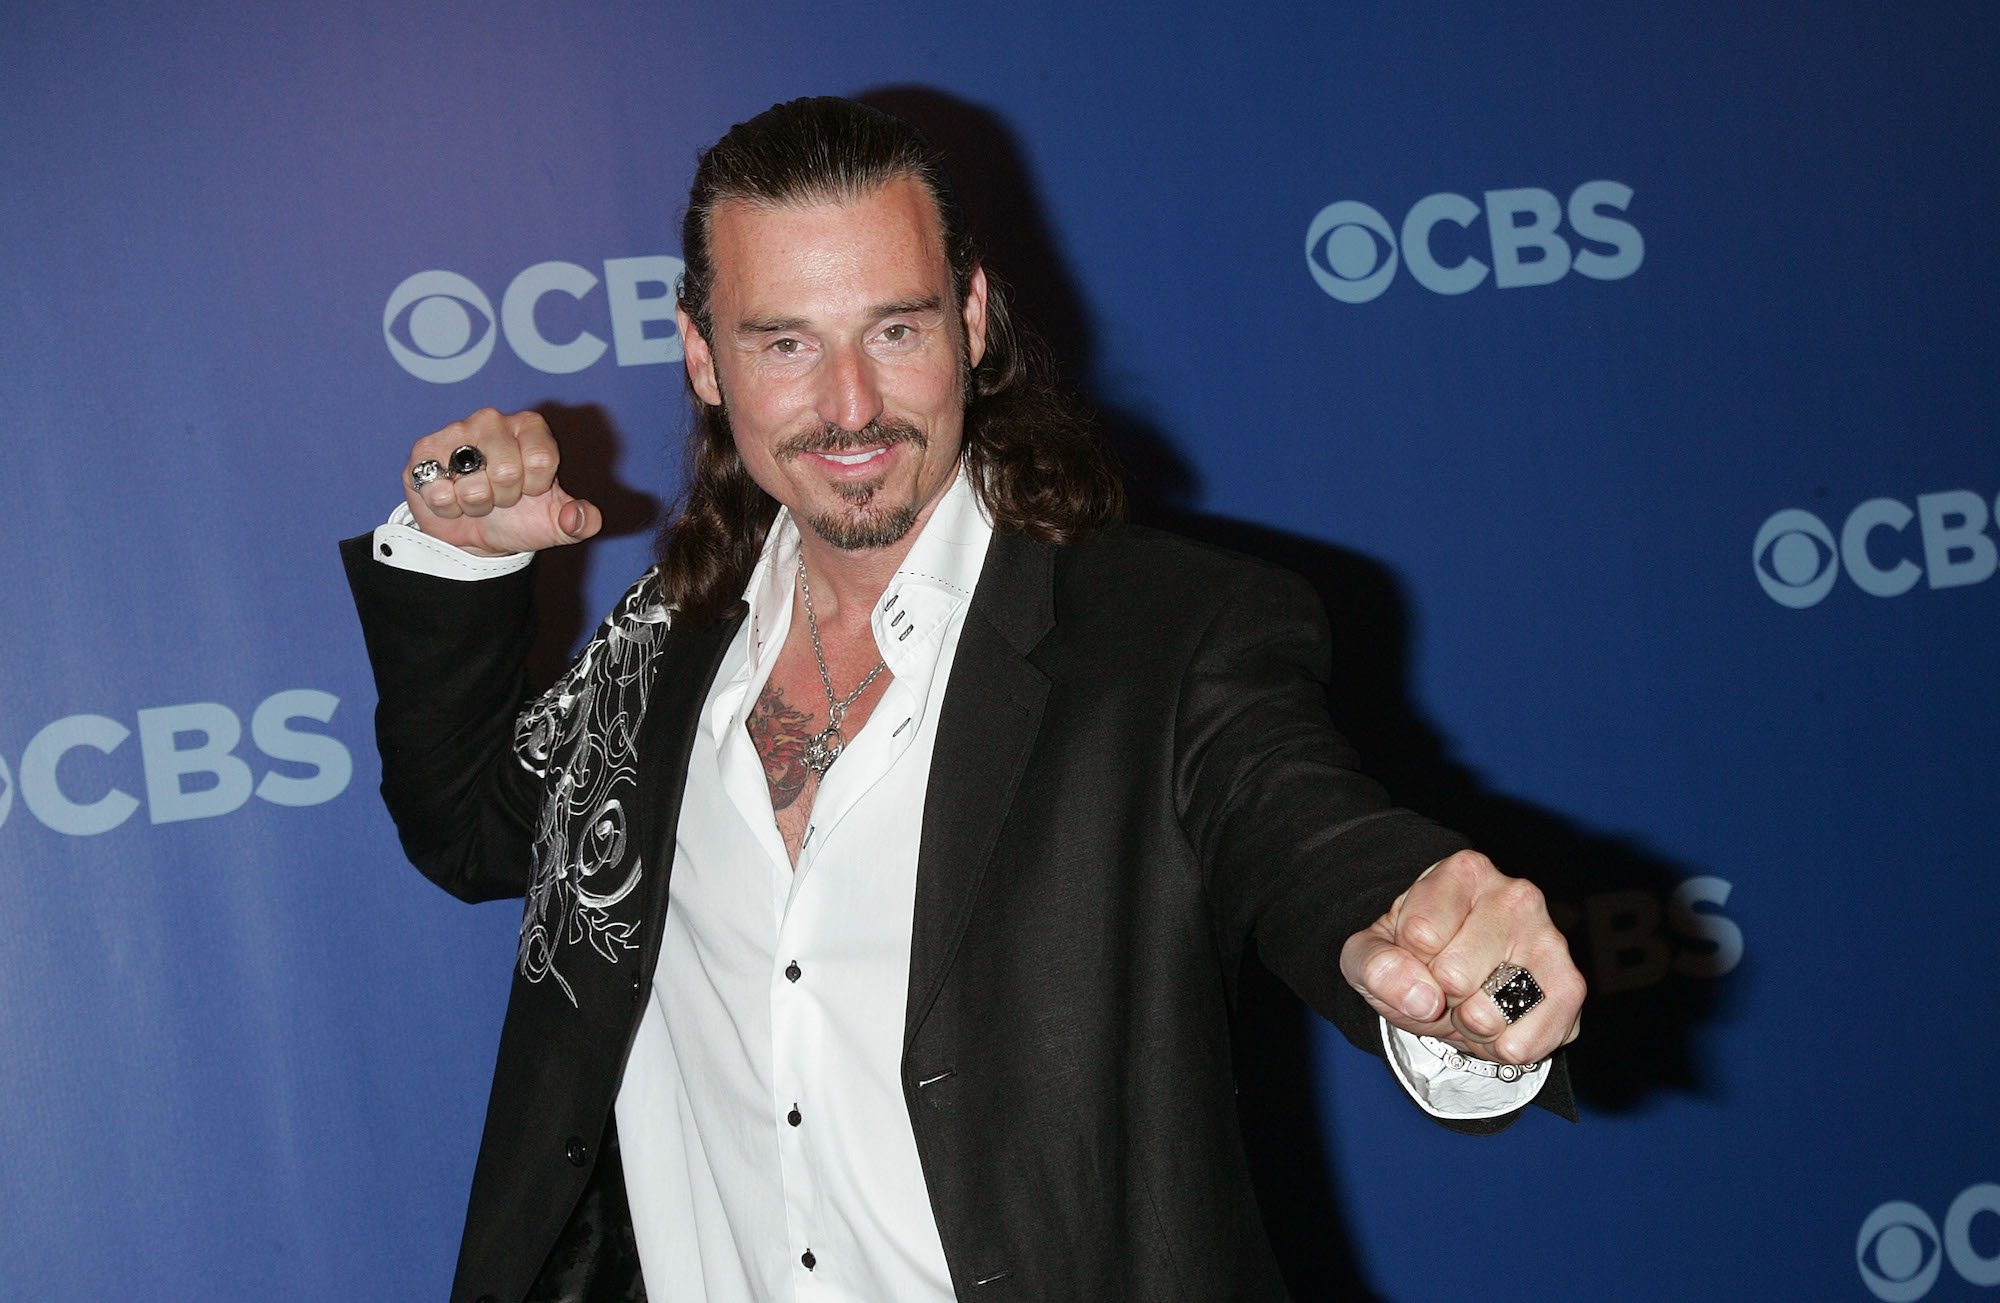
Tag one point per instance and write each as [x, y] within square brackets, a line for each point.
[850, 394]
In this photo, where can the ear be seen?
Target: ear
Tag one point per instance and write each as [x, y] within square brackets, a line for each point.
[700, 360]
[975, 316]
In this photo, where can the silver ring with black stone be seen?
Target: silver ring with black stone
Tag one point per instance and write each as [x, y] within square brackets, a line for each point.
[1513, 990]
[465, 459]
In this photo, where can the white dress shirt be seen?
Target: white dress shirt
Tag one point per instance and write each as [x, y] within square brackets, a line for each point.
[767, 1148]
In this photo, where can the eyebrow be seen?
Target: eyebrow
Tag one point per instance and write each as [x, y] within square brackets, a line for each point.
[785, 325]
[910, 307]
[770, 325]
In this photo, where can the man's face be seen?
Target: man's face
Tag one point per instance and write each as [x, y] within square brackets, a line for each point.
[840, 357]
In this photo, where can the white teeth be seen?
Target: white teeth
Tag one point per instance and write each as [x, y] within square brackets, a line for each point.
[852, 458]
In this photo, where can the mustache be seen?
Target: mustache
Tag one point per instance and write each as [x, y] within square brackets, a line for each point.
[879, 433]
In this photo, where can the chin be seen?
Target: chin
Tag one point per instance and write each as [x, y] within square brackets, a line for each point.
[853, 530]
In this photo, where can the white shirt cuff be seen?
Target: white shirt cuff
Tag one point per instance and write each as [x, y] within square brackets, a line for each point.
[400, 544]
[1457, 1093]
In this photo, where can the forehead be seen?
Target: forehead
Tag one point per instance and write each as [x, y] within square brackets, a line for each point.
[884, 246]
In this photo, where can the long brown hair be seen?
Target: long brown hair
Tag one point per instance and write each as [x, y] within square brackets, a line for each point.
[1038, 466]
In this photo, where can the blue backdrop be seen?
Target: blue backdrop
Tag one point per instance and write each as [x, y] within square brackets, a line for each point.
[1625, 377]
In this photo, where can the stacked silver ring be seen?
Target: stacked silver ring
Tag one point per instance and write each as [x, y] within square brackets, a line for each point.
[464, 460]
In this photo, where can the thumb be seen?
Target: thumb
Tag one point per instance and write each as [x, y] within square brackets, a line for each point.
[1392, 979]
[579, 519]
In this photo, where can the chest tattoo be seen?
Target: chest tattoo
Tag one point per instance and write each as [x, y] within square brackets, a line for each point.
[779, 732]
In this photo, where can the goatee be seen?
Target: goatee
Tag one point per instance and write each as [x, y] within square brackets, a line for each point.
[861, 527]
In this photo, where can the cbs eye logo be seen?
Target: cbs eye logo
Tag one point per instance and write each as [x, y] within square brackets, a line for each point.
[1795, 558]
[439, 326]
[1899, 1250]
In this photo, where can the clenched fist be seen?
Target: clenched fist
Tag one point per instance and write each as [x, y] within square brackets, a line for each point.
[1422, 964]
[512, 504]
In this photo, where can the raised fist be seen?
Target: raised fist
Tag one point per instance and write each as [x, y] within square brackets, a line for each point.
[512, 503]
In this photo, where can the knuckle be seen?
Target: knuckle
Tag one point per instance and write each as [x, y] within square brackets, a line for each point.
[1520, 897]
[1480, 1019]
[1419, 931]
[1455, 977]
[1381, 968]
[1469, 864]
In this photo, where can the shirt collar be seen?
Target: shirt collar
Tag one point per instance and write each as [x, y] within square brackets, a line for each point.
[936, 578]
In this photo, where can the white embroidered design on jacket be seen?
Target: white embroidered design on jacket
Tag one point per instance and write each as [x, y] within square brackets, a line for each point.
[581, 738]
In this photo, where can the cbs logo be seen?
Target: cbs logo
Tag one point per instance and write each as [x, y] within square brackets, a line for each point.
[188, 766]
[1352, 251]
[440, 326]
[1797, 558]
[1899, 1249]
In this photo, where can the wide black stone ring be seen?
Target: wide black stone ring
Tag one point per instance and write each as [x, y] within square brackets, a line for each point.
[465, 459]
[1513, 990]
[425, 471]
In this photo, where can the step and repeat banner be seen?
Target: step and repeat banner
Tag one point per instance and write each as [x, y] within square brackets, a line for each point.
[1625, 378]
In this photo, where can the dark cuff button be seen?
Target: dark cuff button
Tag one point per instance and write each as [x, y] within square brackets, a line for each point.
[795, 1117]
[807, 1260]
[793, 972]
[574, 1150]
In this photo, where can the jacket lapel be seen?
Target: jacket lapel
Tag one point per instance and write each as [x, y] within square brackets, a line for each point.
[682, 677]
[986, 732]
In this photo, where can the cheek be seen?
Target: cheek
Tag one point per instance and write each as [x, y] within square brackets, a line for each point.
[933, 392]
[762, 412]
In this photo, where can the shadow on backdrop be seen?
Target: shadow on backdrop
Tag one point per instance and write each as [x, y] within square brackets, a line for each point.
[591, 447]
[1613, 899]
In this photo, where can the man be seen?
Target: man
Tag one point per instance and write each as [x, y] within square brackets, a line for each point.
[890, 851]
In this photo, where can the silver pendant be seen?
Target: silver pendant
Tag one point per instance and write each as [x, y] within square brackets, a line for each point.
[823, 748]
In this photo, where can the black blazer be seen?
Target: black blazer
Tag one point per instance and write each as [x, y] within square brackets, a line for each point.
[1134, 780]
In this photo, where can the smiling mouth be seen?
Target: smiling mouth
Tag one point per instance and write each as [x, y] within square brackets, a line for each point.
[854, 447]
[852, 458]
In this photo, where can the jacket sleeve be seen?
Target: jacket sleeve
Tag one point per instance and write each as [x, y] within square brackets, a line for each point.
[448, 659]
[1301, 850]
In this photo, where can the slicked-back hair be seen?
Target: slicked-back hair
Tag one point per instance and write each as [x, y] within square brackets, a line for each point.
[1039, 468]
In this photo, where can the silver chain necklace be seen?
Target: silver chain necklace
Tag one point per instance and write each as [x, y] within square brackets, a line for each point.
[825, 746]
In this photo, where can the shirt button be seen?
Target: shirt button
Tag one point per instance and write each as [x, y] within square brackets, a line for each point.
[807, 1260]
[573, 1149]
[795, 1117]
[793, 972]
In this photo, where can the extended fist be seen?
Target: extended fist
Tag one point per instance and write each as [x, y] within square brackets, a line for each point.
[1421, 965]
[513, 503]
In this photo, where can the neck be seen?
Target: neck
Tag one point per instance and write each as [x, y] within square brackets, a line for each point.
[847, 582]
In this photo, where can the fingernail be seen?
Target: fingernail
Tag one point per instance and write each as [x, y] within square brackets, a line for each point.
[1422, 1002]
